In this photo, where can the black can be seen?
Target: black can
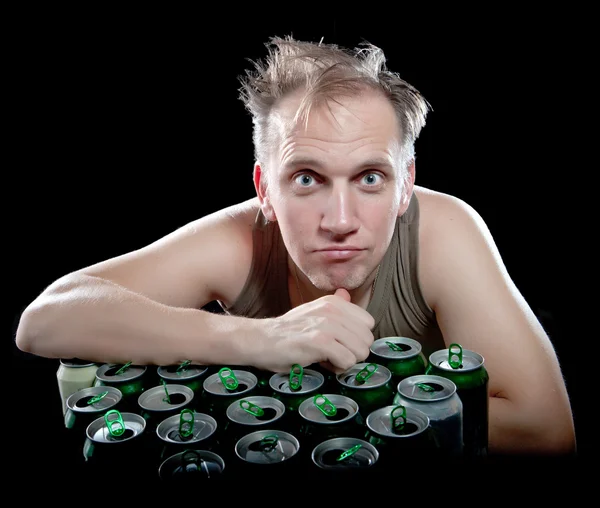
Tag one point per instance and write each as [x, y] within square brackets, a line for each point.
[192, 468]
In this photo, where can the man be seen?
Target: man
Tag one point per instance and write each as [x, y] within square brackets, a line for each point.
[339, 247]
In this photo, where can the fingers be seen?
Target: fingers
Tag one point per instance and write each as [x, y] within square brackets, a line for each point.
[343, 294]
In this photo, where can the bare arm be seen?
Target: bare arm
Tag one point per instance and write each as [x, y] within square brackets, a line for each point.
[479, 307]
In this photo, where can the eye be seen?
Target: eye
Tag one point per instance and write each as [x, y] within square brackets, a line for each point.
[304, 180]
[371, 179]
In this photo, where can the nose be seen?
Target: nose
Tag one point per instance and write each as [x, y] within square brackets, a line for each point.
[339, 214]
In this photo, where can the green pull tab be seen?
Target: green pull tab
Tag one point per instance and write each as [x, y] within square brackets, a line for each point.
[228, 378]
[253, 409]
[97, 398]
[123, 368]
[118, 421]
[349, 452]
[452, 357]
[393, 346]
[324, 405]
[425, 387]
[296, 375]
[186, 426]
[398, 421]
[167, 399]
[268, 443]
[366, 372]
[183, 365]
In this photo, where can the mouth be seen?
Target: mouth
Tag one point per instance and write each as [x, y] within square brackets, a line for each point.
[340, 252]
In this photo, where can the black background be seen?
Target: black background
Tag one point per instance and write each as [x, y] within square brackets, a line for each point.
[128, 126]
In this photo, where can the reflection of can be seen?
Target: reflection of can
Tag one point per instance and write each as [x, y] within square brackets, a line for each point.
[74, 374]
[217, 395]
[312, 381]
[402, 355]
[192, 466]
[269, 447]
[467, 371]
[320, 422]
[126, 377]
[369, 384]
[344, 455]
[186, 430]
[187, 374]
[400, 432]
[253, 413]
[164, 400]
[436, 396]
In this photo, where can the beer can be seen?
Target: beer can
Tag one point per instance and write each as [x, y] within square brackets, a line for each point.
[252, 413]
[187, 374]
[87, 404]
[273, 449]
[403, 356]
[162, 401]
[72, 375]
[399, 431]
[192, 467]
[222, 388]
[436, 397]
[344, 455]
[186, 430]
[369, 384]
[128, 378]
[467, 371]
[311, 382]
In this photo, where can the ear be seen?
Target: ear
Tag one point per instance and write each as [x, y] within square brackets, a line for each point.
[408, 188]
[260, 184]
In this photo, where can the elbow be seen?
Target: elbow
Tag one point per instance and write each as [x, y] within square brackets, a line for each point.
[28, 336]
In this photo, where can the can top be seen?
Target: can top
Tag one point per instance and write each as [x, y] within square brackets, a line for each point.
[192, 465]
[380, 376]
[94, 399]
[155, 399]
[100, 432]
[396, 348]
[257, 410]
[426, 388]
[109, 373]
[181, 429]
[380, 422]
[470, 360]
[267, 447]
[246, 382]
[312, 380]
[345, 406]
[345, 453]
[179, 372]
[75, 363]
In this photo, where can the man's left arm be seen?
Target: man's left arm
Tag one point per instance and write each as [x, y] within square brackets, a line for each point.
[478, 306]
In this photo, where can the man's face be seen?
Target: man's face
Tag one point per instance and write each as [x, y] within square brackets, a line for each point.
[334, 186]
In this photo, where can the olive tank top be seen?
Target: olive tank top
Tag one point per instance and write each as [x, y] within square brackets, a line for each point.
[398, 306]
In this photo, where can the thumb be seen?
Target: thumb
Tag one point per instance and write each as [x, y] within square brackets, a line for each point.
[343, 293]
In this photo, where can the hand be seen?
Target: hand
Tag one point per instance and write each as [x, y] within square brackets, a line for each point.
[330, 330]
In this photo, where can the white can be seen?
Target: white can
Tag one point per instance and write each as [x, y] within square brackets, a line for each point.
[73, 375]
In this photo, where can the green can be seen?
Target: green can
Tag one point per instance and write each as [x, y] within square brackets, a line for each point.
[467, 371]
[160, 402]
[294, 388]
[186, 373]
[369, 384]
[224, 387]
[403, 356]
[129, 379]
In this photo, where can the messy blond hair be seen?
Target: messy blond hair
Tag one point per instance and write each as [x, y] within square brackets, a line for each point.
[326, 72]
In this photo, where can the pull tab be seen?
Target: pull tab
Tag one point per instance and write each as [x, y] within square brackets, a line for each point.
[97, 398]
[253, 409]
[393, 346]
[366, 372]
[425, 387]
[398, 421]
[455, 359]
[117, 422]
[324, 405]
[123, 369]
[349, 452]
[183, 365]
[228, 378]
[186, 426]
[167, 399]
[268, 443]
[296, 375]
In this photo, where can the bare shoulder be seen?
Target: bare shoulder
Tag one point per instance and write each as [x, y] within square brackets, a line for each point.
[204, 260]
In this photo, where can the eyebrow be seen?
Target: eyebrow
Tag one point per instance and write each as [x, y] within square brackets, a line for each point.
[316, 163]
